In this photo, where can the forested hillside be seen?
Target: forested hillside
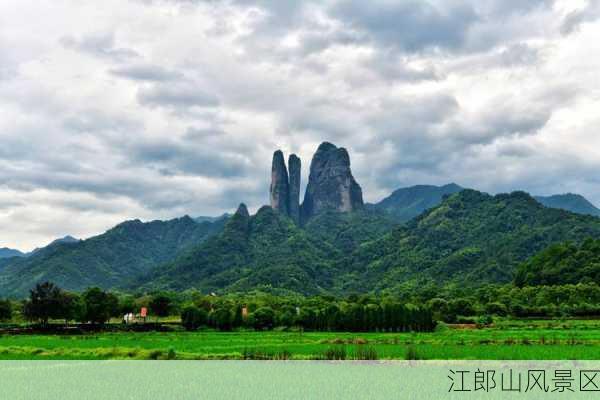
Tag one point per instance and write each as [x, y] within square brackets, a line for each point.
[108, 260]
[471, 238]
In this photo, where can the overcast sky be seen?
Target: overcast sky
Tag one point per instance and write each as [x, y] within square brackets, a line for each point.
[153, 109]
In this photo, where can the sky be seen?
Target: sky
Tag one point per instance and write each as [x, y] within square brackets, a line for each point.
[154, 109]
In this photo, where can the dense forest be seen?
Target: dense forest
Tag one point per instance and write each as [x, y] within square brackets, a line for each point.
[562, 263]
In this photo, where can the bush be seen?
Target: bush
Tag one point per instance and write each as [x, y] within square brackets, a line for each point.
[484, 320]
[496, 309]
[193, 317]
[264, 318]
[5, 310]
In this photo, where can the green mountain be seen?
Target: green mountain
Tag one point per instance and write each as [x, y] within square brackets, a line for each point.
[108, 260]
[66, 239]
[406, 203]
[5, 252]
[562, 263]
[471, 238]
[269, 251]
[570, 202]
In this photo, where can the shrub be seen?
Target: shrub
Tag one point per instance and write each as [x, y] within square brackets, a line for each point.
[193, 317]
[496, 309]
[484, 320]
[171, 355]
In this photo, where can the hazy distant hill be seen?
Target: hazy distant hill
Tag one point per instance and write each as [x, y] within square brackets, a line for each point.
[212, 219]
[406, 203]
[5, 252]
[570, 202]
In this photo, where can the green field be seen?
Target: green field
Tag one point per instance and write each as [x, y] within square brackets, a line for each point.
[540, 340]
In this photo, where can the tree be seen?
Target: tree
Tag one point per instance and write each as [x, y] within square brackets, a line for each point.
[45, 302]
[222, 318]
[160, 305]
[99, 305]
[127, 304]
[193, 317]
[238, 317]
[5, 310]
[71, 306]
[496, 309]
[264, 318]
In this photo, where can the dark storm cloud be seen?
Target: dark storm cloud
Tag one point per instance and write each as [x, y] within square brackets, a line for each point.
[146, 72]
[99, 45]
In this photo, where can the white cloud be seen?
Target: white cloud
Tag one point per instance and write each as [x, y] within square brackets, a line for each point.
[158, 108]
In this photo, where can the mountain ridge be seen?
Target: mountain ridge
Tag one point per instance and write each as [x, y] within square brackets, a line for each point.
[108, 260]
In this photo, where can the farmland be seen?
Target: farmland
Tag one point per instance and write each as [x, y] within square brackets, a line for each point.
[507, 339]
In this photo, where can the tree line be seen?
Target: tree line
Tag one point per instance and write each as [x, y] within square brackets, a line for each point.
[49, 303]
[417, 307]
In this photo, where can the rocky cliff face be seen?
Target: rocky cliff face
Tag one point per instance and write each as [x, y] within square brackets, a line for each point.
[331, 185]
[279, 184]
[294, 185]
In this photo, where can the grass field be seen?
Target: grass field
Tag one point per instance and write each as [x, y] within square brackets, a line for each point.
[518, 340]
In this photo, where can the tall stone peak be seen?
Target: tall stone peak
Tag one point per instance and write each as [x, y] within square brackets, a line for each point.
[242, 211]
[331, 185]
[295, 167]
[279, 184]
[237, 227]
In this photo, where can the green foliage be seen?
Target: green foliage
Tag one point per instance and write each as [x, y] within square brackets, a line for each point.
[263, 318]
[471, 238]
[45, 301]
[99, 306]
[6, 310]
[193, 317]
[221, 318]
[496, 308]
[110, 260]
[562, 263]
[268, 251]
[161, 305]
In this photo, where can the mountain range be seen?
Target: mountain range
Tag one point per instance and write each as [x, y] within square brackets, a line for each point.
[330, 243]
[5, 252]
